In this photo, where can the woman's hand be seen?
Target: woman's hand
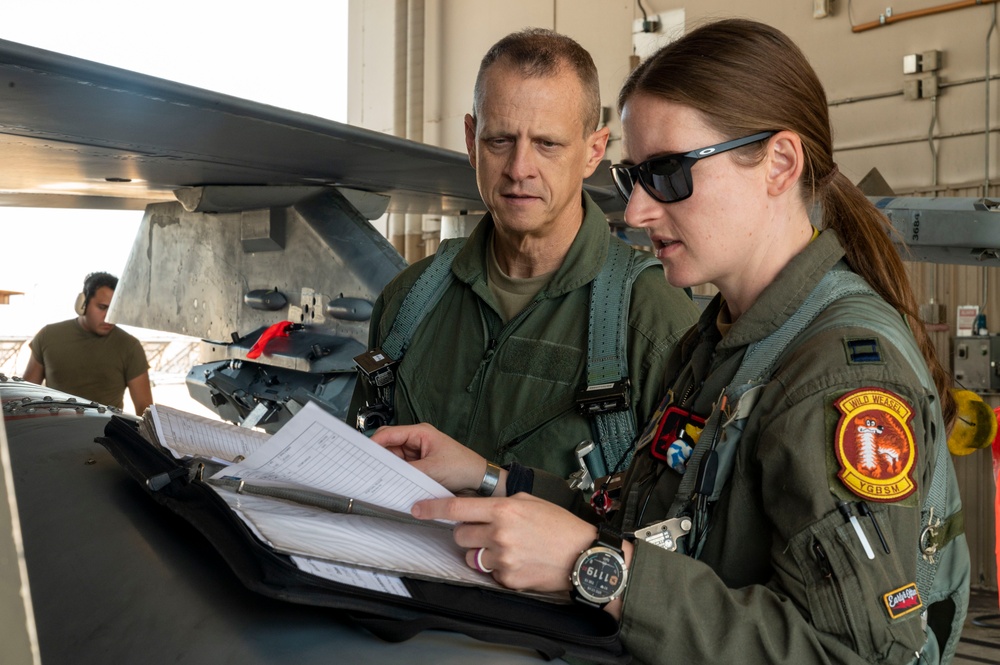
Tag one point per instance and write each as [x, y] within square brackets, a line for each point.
[438, 455]
[528, 542]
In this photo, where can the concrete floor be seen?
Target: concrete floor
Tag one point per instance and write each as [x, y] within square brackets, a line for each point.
[981, 637]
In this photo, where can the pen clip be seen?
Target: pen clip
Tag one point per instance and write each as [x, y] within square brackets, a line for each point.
[845, 510]
[865, 511]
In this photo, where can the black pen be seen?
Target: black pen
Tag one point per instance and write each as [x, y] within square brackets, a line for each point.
[845, 510]
[866, 512]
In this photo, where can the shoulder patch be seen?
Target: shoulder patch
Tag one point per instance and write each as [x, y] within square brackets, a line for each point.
[902, 601]
[874, 444]
[863, 351]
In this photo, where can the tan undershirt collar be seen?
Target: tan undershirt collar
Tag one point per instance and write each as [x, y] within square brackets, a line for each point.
[512, 294]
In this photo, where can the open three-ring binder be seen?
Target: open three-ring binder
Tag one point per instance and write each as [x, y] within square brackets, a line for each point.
[319, 515]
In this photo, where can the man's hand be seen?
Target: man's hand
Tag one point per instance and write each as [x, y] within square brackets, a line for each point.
[438, 455]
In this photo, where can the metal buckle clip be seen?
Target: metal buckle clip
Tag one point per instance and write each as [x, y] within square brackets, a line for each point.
[928, 541]
[665, 534]
[581, 479]
[378, 367]
[603, 398]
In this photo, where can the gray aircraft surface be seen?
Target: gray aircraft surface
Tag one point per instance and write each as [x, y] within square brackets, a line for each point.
[254, 216]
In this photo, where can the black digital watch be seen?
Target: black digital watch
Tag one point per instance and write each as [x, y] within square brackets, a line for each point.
[600, 574]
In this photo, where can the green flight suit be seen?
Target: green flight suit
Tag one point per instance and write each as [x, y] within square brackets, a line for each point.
[759, 593]
[507, 390]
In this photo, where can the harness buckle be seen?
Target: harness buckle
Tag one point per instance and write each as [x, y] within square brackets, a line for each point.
[665, 534]
[928, 541]
[603, 398]
[378, 367]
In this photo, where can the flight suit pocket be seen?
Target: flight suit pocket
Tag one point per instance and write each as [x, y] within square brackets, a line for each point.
[846, 591]
[546, 437]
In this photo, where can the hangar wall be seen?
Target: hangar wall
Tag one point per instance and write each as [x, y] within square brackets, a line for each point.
[862, 71]
[413, 63]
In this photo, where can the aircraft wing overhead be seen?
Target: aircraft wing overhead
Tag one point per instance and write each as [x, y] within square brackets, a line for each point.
[74, 133]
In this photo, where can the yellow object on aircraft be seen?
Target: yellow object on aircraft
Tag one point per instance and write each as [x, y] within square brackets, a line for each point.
[975, 424]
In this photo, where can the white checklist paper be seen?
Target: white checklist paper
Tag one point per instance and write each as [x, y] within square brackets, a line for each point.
[320, 452]
[317, 454]
[186, 434]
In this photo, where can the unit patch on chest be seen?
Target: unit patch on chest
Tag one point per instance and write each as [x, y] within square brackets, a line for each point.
[874, 444]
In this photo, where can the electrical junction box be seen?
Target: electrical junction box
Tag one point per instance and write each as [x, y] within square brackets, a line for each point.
[922, 87]
[928, 61]
[976, 362]
[656, 31]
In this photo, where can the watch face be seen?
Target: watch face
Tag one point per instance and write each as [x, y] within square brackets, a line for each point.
[599, 574]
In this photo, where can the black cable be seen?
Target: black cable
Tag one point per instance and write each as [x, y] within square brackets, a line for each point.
[658, 470]
[985, 621]
[642, 9]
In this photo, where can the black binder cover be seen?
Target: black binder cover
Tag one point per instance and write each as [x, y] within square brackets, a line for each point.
[553, 630]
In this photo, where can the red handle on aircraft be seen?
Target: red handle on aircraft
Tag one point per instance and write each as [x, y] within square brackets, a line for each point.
[279, 329]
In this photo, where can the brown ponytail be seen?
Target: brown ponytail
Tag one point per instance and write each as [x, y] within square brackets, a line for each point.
[869, 251]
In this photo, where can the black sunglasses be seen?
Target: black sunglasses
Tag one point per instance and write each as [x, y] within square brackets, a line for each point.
[667, 178]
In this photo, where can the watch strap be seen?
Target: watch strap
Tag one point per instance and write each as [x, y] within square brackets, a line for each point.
[608, 536]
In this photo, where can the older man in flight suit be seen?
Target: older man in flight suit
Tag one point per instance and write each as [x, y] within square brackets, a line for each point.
[501, 359]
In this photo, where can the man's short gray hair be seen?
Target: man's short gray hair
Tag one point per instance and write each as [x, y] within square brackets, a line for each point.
[538, 53]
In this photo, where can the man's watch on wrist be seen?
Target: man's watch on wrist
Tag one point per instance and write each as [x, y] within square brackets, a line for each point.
[600, 574]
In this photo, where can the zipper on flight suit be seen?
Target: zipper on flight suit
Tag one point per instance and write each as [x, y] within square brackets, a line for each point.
[826, 567]
[491, 346]
[687, 393]
[483, 362]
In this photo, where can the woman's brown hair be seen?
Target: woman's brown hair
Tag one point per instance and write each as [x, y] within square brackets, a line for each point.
[746, 77]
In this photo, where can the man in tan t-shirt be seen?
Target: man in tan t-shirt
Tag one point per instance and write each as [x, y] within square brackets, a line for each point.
[89, 357]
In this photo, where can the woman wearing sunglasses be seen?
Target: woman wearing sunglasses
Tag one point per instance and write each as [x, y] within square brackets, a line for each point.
[773, 509]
